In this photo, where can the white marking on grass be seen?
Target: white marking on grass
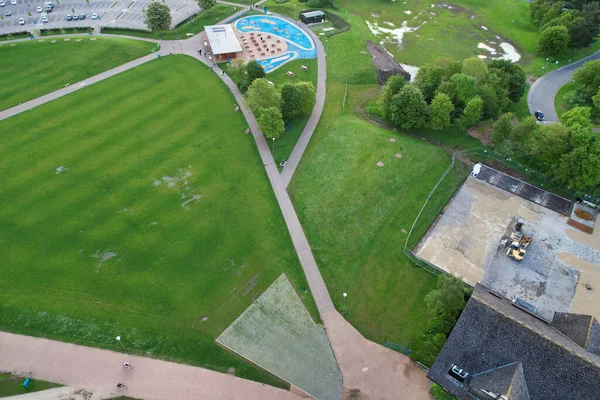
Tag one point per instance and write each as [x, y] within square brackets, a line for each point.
[389, 23]
[107, 255]
[511, 52]
[156, 182]
[486, 47]
[195, 198]
[484, 28]
[397, 34]
[60, 169]
[482, 56]
[411, 69]
[407, 12]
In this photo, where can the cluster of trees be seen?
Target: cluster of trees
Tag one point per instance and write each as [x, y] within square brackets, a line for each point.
[272, 107]
[158, 14]
[444, 305]
[448, 93]
[565, 24]
[588, 94]
[568, 152]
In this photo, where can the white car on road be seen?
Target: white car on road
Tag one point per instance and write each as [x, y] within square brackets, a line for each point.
[39, 9]
[21, 21]
[2, 4]
[13, 2]
[95, 16]
[44, 19]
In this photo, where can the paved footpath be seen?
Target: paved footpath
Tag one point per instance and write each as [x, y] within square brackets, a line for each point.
[99, 371]
[294, 159]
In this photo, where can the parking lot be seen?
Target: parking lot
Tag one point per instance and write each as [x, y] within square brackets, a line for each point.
[118, 14]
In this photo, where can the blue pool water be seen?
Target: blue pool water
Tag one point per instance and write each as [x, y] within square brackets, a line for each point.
[300, 45]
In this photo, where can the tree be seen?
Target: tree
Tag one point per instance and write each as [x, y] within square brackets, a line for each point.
[254, 71]
[466, 87]
[291, 101]
[503, 129]
[237, 72]
[438, 325]
[425, 348]
[475, 67]
[158, 17]
[591, 16]
[448, 299]
[428, 79]
[472, 113]
[577, 116]
[450, 66]
[270, 122]
[547, 145]
[408, 108]
[440, 109]
[596, 101]
[575, 24]
[391, 88]
[206, 4]
[309, 96]
[538, 10]
[262, 95]
[490, 101]
[554, 40]
[580, 168]
[512, 77]
[527, 126]
[588, 77]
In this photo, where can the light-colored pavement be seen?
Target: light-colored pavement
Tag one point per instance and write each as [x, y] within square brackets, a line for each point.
[294, 159]
[542, 92]
[99, 371]
[369, 370]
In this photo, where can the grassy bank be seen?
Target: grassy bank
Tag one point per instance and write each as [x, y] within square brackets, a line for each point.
[60, 63]
[139, 216]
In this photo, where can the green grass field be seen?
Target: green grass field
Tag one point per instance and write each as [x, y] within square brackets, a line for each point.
[195, 25]
[356, 215]
[147, 216]
[32, 68]
[12, 385]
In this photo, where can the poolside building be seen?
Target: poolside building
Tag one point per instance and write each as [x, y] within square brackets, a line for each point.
[312, 17]
[223, 42]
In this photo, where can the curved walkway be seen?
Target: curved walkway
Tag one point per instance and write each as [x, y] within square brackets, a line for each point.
[366, 367]
[543, 91]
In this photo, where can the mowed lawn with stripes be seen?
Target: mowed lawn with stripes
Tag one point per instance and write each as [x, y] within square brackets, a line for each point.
[33, 68]
[138, 207]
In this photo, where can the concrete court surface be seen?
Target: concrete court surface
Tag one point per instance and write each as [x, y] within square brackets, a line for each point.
[465, 242]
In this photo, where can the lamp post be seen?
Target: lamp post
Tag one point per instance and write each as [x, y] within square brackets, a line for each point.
[119, 340]
[273, 147]
[345, 299]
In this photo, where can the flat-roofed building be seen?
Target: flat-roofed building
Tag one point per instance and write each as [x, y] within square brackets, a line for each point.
[223, 42]
[312, 17]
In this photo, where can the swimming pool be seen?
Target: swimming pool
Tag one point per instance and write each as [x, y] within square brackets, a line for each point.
[300, 45]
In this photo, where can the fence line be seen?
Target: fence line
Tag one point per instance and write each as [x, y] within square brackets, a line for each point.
[477, 151]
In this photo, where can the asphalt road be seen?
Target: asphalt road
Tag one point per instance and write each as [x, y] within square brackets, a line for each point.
[542, 92]
[114, 13]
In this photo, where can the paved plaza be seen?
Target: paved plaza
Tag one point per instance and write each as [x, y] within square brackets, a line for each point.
[113, 13]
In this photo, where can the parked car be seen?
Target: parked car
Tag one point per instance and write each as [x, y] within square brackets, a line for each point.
[539, 115]
[69, 17]
[48, 9]
[7, 13]
[95, 16]
[39, 9]
[2, 4]
[75, 17]
[44, 19]
[13, 2]
[21, 21]
[82, 16]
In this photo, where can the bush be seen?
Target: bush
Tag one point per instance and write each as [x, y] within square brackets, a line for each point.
[438, 393]
[554, 40]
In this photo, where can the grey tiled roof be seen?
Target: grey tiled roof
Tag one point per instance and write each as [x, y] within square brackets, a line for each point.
[576, 327]
[508, 379]
[492, 333]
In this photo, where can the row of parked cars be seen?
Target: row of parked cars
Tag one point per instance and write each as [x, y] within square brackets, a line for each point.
[48, 7]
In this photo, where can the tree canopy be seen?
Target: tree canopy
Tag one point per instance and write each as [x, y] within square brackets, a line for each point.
[309, 96]
[391, 88]
[270, 122]
[158, 17]
[262, 95]
[408, 108]
[440, 109]
[206, 4]
[254, 71]
[291, 101]
[554, 40]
